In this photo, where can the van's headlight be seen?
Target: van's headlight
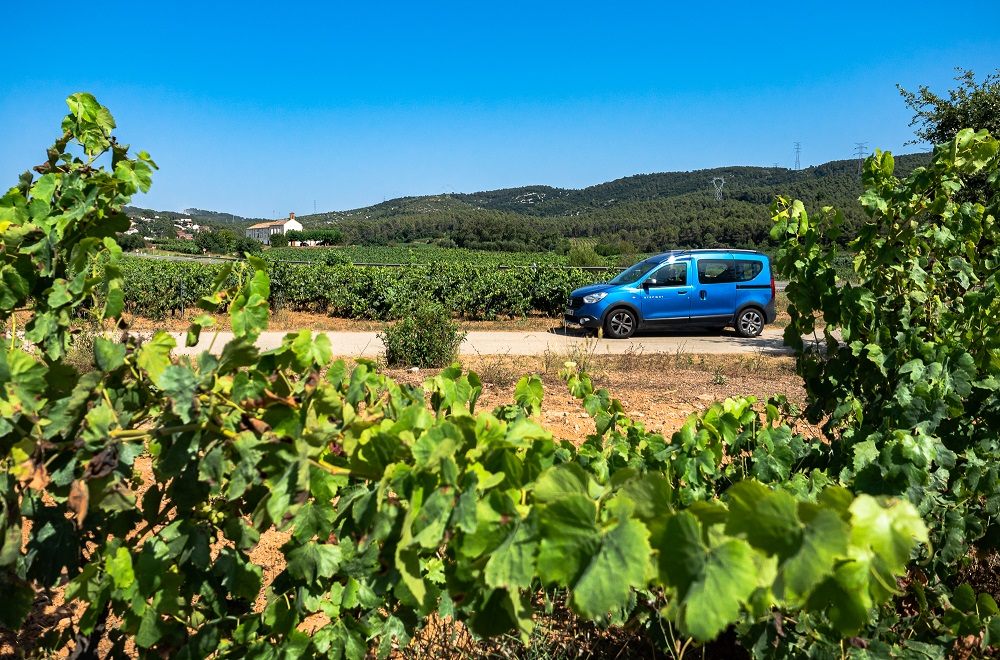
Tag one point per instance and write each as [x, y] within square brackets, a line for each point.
[594, 297]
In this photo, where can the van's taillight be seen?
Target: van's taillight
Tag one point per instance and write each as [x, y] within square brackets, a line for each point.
[774, 290]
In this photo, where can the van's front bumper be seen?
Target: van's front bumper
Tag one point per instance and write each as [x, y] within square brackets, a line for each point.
[586, 316]
[582, 321]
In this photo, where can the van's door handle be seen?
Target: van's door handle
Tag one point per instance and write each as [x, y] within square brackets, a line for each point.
[702, 294]
[682, 292]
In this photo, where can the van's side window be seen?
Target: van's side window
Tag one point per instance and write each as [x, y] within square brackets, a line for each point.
[746, 269]
[716, 271]
[670, 275]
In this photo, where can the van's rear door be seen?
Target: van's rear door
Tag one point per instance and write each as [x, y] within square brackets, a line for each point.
[714, 300]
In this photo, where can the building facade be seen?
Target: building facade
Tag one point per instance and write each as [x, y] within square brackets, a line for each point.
[263, 231]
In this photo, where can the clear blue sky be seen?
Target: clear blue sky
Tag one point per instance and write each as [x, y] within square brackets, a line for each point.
[263, 108]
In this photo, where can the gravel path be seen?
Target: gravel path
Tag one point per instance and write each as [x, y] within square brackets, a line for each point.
[354, 344]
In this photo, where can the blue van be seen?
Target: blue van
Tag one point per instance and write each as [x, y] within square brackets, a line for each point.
[681, 289]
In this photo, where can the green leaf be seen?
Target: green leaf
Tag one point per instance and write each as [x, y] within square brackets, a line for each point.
[119, 567]
[768, 519]
[528, 393]
[712, 583]
[432, 519]
[311, 561]
[154, 355]
[152, 628]
[620, 565]
[891, 528]
[512, 563]
[18, 597]
[715, 598]
[180, 384]
[108, 355]
[824, 541]
[555, 483]
[569, 538]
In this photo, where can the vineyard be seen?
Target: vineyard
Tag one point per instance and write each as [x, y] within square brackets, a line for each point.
[155, 288]
[847, 529]
[422, 254]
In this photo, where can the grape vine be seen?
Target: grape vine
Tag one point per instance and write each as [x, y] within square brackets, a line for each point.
[141, 488]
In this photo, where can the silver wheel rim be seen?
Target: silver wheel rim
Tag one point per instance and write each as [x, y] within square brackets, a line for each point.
[621, 323]
[751, 323]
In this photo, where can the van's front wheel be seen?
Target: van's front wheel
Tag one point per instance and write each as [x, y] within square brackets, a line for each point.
[750, 322]
[620, 324]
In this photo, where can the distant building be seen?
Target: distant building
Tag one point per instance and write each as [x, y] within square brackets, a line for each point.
[262, 231]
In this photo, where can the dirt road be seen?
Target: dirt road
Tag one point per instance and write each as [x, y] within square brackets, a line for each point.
[356, 344]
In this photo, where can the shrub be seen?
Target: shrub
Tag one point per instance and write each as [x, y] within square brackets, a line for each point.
[279, 240]
[426, 337]
[333, 258]
[585, 255]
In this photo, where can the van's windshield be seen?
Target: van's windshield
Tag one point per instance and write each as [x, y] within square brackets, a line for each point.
[635, 272]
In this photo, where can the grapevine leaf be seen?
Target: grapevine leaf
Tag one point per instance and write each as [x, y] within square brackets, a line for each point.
[154, 355]
[714, 599]
[119, 567]
[312, 520]
[512, 564]
[180, 384]
[18, 597]
[108, 355]
[569, 538]
[712, 582]
[824, 540]
[152, 628]
[555, 483]
[890, 529]
[311, 561]
[766, 518]
[430, 522]
[620, 564]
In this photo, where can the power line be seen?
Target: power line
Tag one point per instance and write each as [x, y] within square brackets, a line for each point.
[860, 150]
[718, 182]
[798, 150]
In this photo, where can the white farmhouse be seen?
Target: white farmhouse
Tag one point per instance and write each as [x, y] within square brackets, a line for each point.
[263, 231]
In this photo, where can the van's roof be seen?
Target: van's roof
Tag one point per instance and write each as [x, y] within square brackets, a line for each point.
[704, 251]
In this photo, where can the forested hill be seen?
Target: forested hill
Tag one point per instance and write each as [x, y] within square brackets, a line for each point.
[200, 216]
[641, 213]
[647, 212]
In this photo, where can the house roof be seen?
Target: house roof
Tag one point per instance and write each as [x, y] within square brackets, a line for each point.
[265, 225]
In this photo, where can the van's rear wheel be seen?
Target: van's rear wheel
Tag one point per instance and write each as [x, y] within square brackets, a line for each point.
[750, 322]
[620, 324]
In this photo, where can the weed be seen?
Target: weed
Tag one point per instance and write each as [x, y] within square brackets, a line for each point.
[426, 337]
[499, 370]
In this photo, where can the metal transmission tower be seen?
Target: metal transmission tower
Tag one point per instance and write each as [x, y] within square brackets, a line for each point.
[718, 182]
[798, 151]
[860, 149]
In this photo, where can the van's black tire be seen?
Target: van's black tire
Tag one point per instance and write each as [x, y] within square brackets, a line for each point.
[620, 323]
[750, 322]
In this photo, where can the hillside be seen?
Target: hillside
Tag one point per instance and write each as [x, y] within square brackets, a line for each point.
[644, 212]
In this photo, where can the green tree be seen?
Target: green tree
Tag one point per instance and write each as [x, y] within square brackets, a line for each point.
[131, 242]
[969, 105]
[279, 240]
